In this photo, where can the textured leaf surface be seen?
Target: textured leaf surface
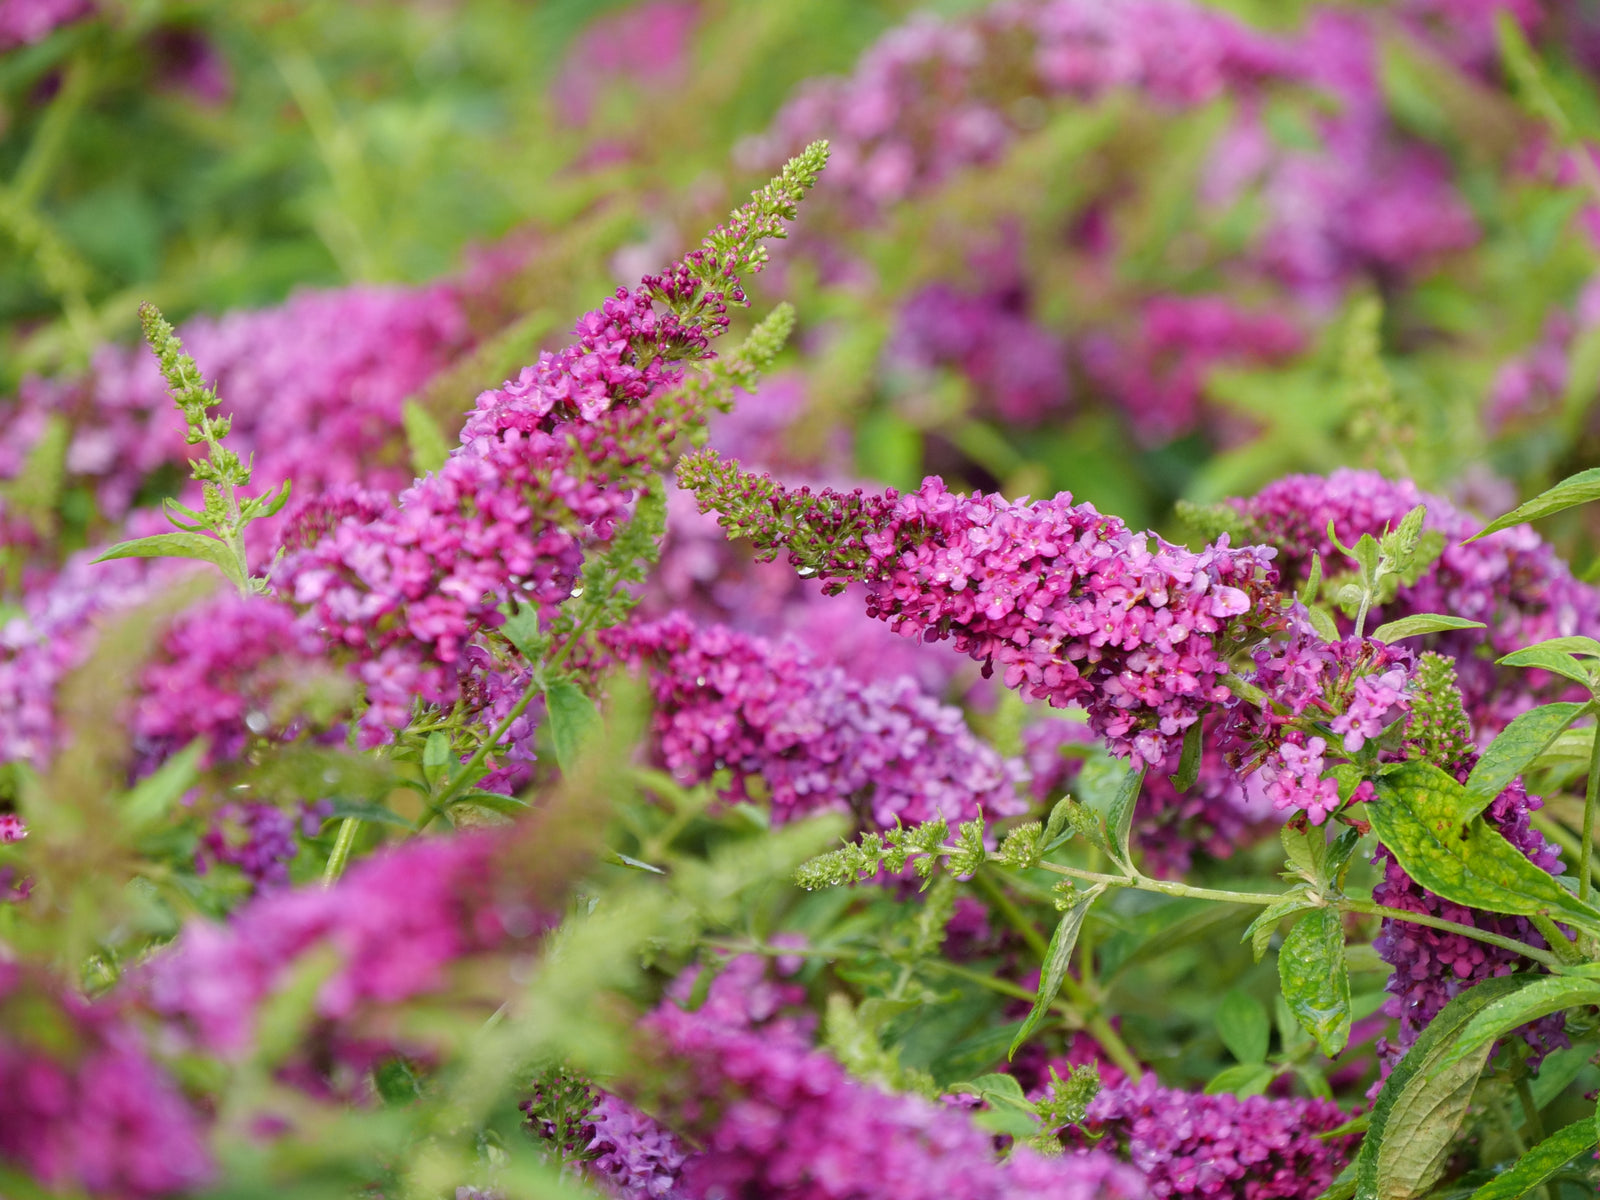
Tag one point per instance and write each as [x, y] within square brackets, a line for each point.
[1571, 491]
[1420, 623]
[1518, 745]
[1315, 979]
[180, 545]
[1540, 1163]
[1417, 1113]
[1418, 815]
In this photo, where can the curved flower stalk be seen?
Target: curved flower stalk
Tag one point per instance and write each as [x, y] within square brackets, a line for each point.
[549, 466]
[82, 1105]
[1069, 605]
[816, 739]
[777, 1118]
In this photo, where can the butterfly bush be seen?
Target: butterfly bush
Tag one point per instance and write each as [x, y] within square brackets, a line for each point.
[315, 388]
[776, 1117]
[395, 926]
[1512, 581]
[1068, 604]
[817, 739]
[1249, 1147]
[82, 1104]
[548, 464]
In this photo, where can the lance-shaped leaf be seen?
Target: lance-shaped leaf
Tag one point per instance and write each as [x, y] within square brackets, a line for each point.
[1585, 647]
[1056, 960]
[181, 545]
[1119, 817]
[1420, 623]
[1519, 743]
[1540, 1163]
[573, 718]
[1418, 815]
[1264, 926]
[1189, 760]
[1573, 490]
[1417, 1113]
[1541, 996]
[1549, 658]
[1244, 1027]
[1315, 979]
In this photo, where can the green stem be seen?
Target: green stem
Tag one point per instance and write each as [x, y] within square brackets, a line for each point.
[1532, 1123]
[1482, 935]
[534, 688]
[1590, 794]
[342, 845]
[1014, 916]
[1261, 899]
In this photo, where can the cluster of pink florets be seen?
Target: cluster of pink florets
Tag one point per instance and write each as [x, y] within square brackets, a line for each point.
[1070, 606]
[817, 738]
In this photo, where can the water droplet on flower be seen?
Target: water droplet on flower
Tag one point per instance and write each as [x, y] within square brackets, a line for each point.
[699, 681]
[577, 590]
[806, 572]
[256, 722]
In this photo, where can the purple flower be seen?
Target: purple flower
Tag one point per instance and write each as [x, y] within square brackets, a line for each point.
[777, 1119]
[81, 1103]
[1188, 1144]
[818, 739]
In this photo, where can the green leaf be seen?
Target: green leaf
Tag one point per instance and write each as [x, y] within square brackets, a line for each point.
[1416, 1115]
[1119, 816]
[436, 757]
[1420, 623]
[181, 545]
[1322, 621]
[426, 440]
[633, 864]
[1056, 960]
[1244, 1026]
[1539, 997]
[150, 799]
[1009, 1110]
[492, 801]
[573, 718]
[1519, 744]
[1313, 584]
[1266, 924]
[1586, 647]
[1058, 827]
[1315, 980]
[1571, 491]
[1189, 760]
[368, 811]
[521, 629]
[1241, 1079]
[1540, 1163]
[1418, 815]
[1548, 658]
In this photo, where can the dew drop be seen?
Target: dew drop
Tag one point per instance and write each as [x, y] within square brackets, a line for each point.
[577, 590]
[806, 572]
[256, 721]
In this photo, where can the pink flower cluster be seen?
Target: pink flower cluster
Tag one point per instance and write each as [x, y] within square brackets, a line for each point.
[778, 1119]
[646, 44]
[1070, 605]
[1157, 375]
[632, 1153]
[23, 22]
[82, 1106]
[221, 674]
[1017, 368]
[1512, 581]
[395, 923]
[934, 97]
[315, 387]
[547, 466]
[1249, 1148]
[818, 739]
